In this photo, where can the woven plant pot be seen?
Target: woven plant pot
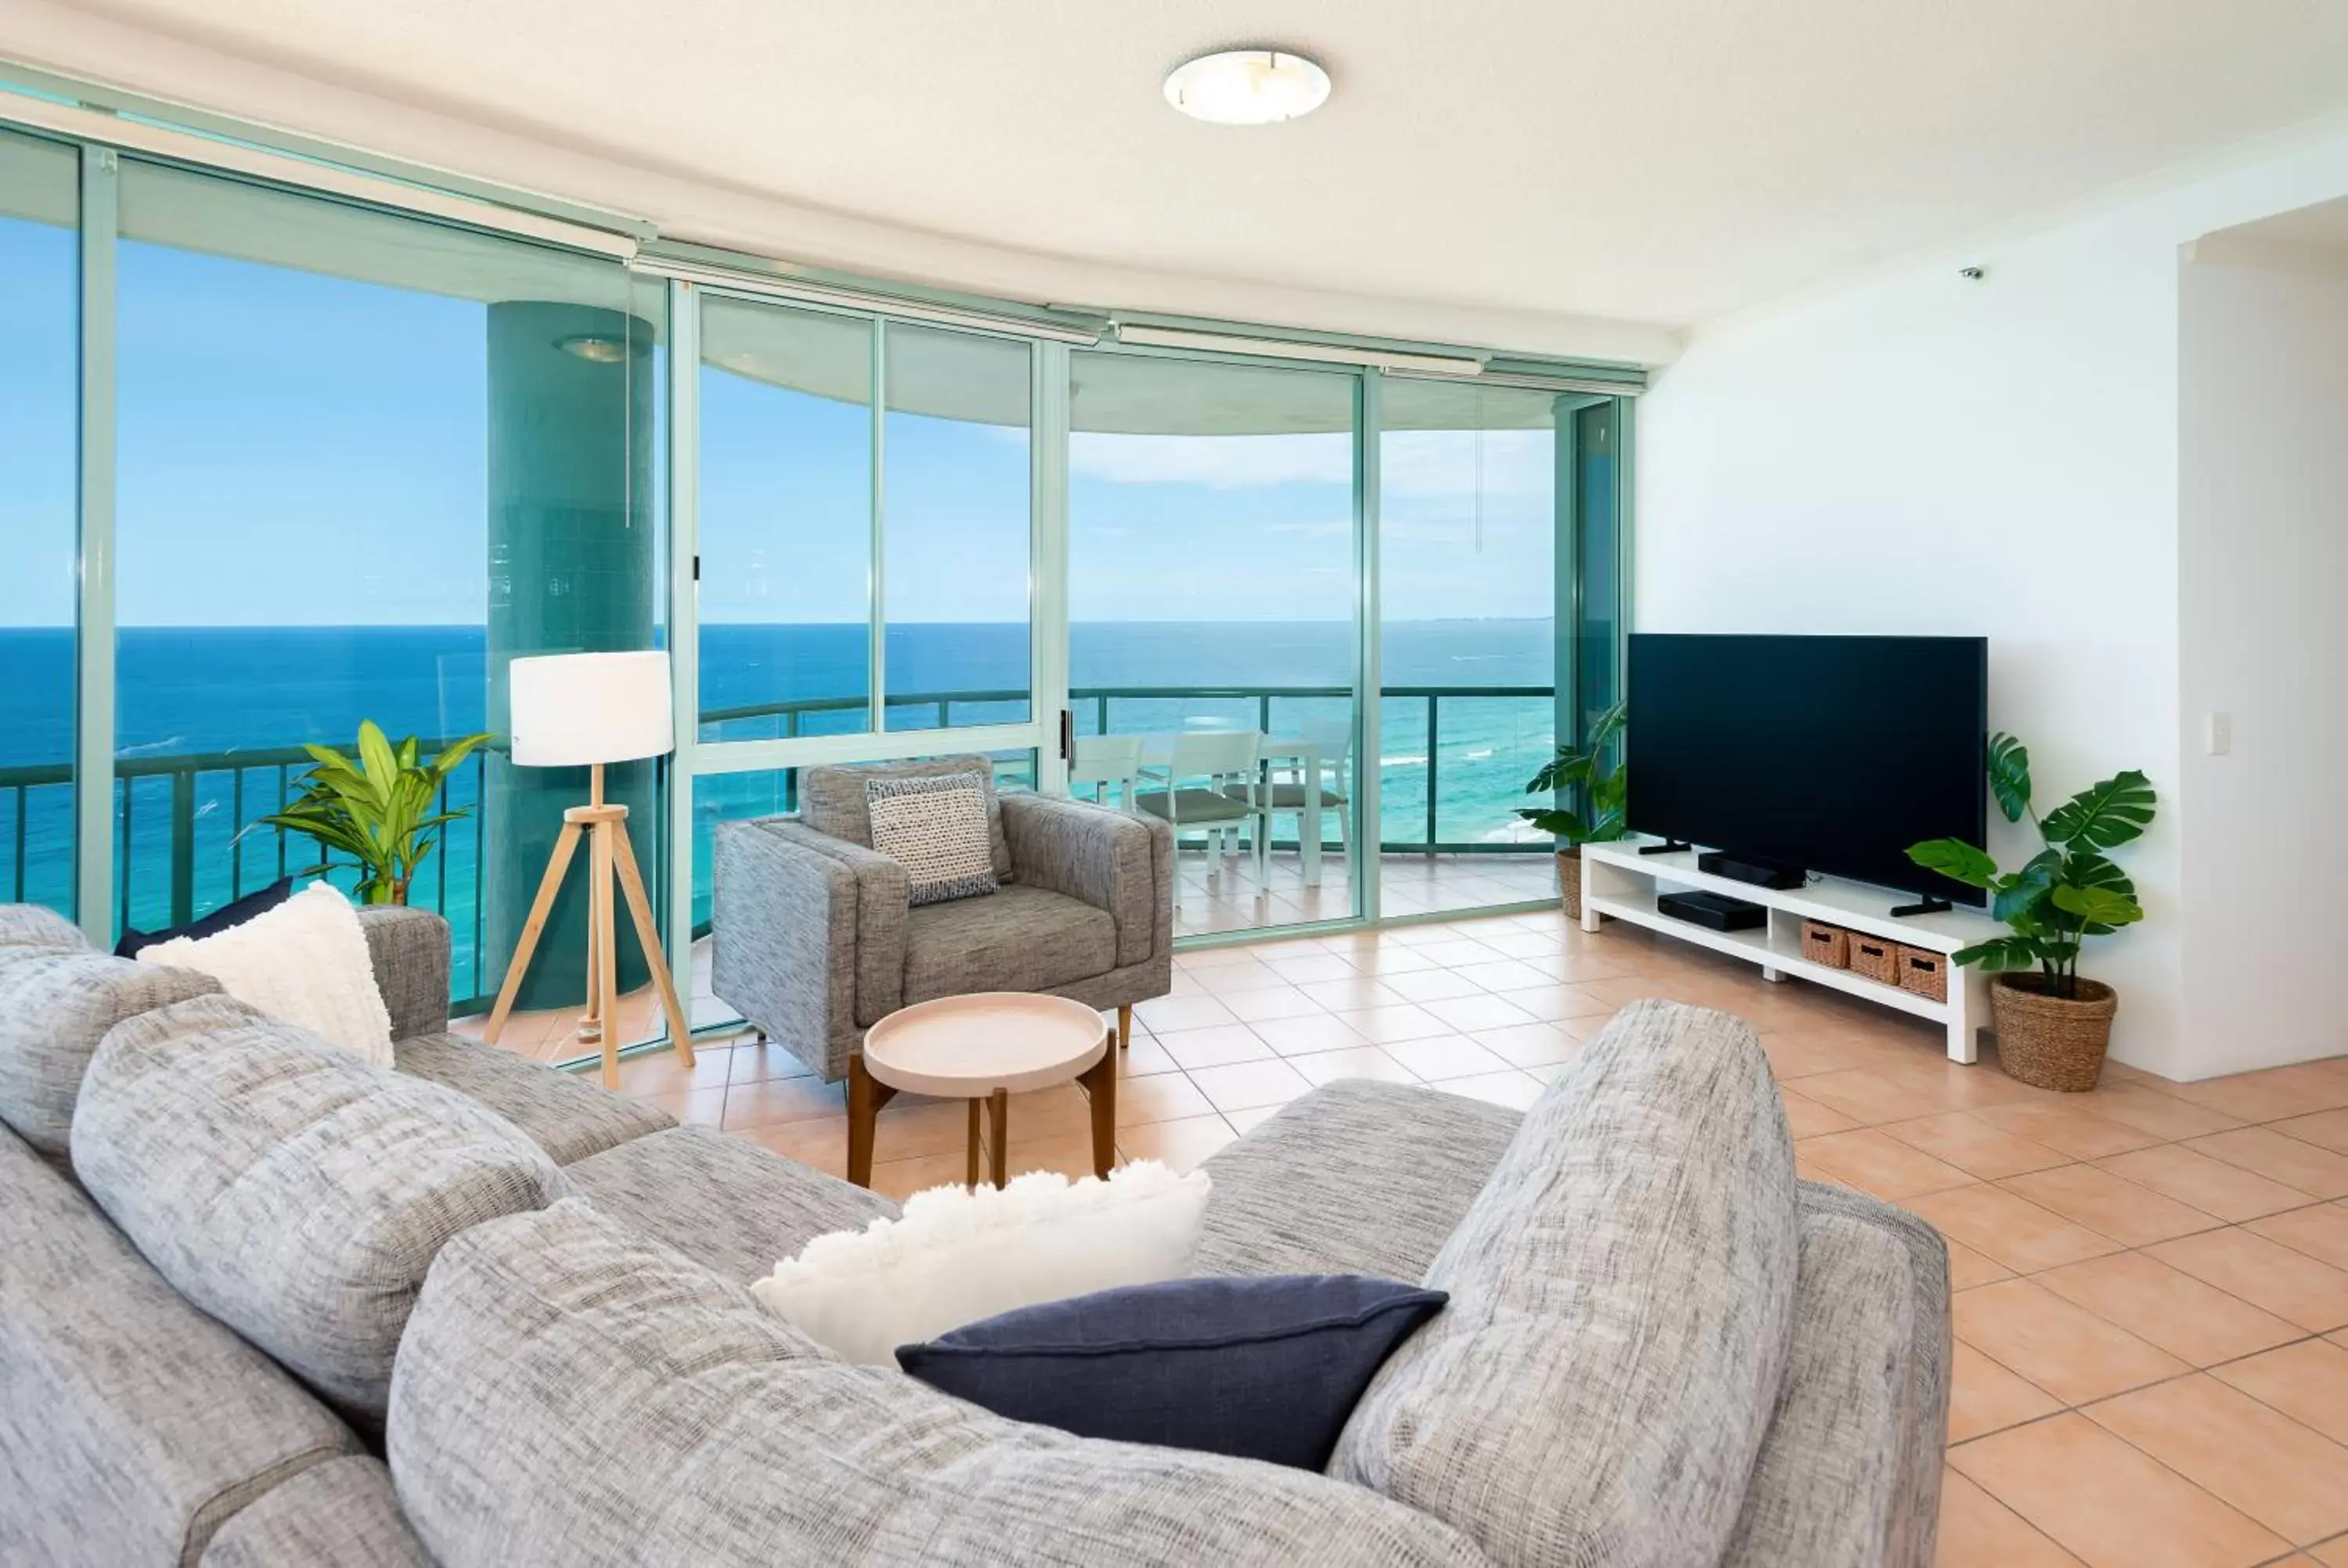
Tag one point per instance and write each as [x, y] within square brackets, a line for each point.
[1569, 882]
[2049, 1041]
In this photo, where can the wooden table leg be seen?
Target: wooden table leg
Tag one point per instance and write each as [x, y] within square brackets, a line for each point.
[999, 1119]
[866, 1095]
[1100, 1083]
[970, 1178]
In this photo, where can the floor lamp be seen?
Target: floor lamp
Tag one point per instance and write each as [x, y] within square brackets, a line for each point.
[585, 710]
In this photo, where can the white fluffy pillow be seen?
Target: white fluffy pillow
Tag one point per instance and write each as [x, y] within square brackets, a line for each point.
[957, 1256]
[305, 963]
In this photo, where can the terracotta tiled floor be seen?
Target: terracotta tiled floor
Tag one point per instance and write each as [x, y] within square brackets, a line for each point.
[2152, 1279]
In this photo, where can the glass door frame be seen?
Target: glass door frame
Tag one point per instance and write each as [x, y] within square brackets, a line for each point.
[1048, 603]
[1362, 836]
[695, 758]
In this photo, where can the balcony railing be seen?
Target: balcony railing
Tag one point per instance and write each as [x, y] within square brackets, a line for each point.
[180, 846]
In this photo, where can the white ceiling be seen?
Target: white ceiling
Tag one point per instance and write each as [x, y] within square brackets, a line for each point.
[1654, 161]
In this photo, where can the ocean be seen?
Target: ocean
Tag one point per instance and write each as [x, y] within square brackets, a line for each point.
[224, 694]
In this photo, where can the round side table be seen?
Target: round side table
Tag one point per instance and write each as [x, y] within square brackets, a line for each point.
[983, 1048]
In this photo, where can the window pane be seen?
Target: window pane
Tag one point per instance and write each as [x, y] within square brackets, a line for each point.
[366, 462]
[786, 522]
[954, 514]
[39, 409]
[1468, 561]
[1212, 588]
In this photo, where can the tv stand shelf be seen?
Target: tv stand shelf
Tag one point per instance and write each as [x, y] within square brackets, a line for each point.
[1618, 880]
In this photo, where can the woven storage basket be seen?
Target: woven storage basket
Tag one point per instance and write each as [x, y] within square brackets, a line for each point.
[1877, 958]
[2052, 1043]
[1825, 944]
[1925, 972]
[1569, 882]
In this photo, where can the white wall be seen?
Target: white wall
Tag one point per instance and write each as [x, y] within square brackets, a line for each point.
[1919, 452]
[2264, 633]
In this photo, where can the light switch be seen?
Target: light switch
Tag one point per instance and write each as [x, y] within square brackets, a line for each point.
[2221, 733]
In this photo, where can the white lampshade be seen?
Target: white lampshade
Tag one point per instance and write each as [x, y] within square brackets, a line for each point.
[569, 709]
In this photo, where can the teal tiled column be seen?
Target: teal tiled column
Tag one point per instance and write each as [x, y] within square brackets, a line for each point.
[572, 569]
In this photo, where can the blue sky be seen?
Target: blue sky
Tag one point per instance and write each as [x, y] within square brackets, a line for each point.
[298, 449]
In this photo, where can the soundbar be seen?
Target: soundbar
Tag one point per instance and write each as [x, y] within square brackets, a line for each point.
[1714, 911]
[1744, 868]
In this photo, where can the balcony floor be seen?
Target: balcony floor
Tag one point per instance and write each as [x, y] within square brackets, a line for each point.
[1223, 894]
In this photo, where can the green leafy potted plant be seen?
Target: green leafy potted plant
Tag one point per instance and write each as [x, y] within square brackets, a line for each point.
[377, 809]
[1595, 768]
[2053, 1026]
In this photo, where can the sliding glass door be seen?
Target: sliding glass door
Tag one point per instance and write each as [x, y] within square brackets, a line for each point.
[1468, 548]
[363, 463]
[862, 557]
[40, 324]
[1212, 596]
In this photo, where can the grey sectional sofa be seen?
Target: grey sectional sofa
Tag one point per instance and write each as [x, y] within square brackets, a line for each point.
[263, 1306]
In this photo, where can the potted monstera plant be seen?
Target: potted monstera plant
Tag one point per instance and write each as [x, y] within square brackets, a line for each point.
[1595, 769]
[2053, 1025]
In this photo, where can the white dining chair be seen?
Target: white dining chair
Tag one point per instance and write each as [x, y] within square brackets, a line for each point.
[1105, 760]
[1210, 783]
[1287, 793]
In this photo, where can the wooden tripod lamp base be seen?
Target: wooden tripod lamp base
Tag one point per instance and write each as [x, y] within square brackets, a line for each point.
[593, 708]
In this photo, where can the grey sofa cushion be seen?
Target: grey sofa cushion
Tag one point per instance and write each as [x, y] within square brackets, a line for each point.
[570, 1393]
[807, 935]
[338, 1514]
[1850, 1469]
[569, 1116]
[56, 1005]
[1022, 940]
[408, 949]
[831, 799]
[1104, 858]
[287, 1188]
[1289, 1196]
[724, 1202]
[36, 926]
[1622, 1297]
[1851, 1473]
[131, 1425]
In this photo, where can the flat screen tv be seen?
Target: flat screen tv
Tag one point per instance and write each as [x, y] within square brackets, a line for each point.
[1831, 753]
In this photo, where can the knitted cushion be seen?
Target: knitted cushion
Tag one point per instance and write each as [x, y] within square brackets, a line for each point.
[936, 829]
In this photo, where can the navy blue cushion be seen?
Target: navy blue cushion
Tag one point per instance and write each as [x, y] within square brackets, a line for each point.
[1265, 1368]
[235, 913]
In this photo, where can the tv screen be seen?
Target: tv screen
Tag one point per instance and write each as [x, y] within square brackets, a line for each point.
[1832, 753]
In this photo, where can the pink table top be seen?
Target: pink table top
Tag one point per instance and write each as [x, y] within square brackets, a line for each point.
[967, 1047]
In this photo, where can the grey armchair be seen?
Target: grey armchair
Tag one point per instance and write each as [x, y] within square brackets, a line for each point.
[814, 943]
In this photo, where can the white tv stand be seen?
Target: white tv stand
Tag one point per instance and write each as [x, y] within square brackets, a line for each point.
[1617, 880]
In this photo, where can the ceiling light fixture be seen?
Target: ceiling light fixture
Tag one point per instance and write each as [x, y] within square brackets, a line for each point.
[595, 348]
[1247, 86]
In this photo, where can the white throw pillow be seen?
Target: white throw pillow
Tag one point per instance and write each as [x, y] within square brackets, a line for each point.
[304, 963]
[957, 1256]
